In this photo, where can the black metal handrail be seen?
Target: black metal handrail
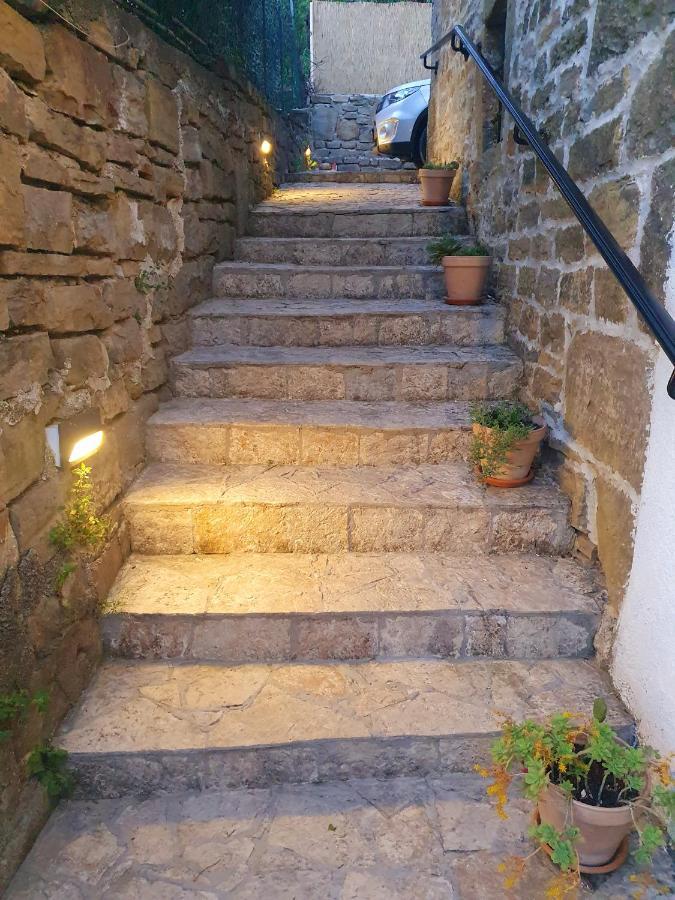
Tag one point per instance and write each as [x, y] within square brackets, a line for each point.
[656, 317]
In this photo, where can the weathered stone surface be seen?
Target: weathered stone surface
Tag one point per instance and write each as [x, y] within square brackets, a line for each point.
[615, 525]
[597, 151]
[11, 197]
[596, 364]
[657, 237]
[52, 168]
[611, 301]
[618, 27]
[618, 204]
[83, 359]
[21, 48]
[123, 341]
[24, 359]
[128, 102]
[575, 291]
[12, 107]
[78, 80]
[57, 264]
[570, 44]
[161, 110]
[58, 132]
[22, 452]
[48, 219]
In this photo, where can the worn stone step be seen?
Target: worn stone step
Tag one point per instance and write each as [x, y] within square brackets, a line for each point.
[308, 432]
[348, 373]
[363, 509]
[277, 280]
[381, 176]
[406, 251]
[156, 726]
[280, 606]
[339, 323]
[317, 221]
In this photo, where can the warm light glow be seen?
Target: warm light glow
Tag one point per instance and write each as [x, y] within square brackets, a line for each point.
[265, 147]
[308, 153]
[86, 446]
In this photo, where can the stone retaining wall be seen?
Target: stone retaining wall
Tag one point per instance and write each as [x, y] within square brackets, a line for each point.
[594, 74]
[342, 133]
[126, 171]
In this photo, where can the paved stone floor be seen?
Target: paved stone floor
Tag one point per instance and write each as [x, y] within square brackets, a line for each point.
[407, 839]
[343, 196]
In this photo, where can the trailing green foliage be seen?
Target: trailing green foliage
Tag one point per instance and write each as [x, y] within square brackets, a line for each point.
[14, 706]
[589, 763]
[508, 424]
[49, 765]
[81, 525]
[66, 569]
[448, 245]
[447, 166]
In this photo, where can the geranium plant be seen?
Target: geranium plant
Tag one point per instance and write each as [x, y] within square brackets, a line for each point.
[586, 764]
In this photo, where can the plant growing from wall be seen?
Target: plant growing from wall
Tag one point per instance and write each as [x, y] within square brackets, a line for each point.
[14, 707]
[567, 766]
[81, 526]
[49, 765]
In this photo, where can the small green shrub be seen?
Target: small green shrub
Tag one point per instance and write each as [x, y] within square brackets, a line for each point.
[81, 526]
[509, 423]
[14, 706]
[448, 245]
[66, 569]
[49, 765]
[448, 166]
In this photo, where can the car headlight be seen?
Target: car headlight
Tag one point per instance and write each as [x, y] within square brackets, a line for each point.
[396, 96]
[386, 131]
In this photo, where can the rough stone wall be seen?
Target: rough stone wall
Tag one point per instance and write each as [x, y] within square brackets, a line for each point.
[597, 75]
[125, 171]
[342, 133]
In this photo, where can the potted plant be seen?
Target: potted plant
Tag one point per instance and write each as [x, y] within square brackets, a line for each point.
[465, 269]
[436, 180]
[590, 790]
[505, 441]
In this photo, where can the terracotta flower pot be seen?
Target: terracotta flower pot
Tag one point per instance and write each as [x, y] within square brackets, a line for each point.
[602, 829]
[465, 278]
[436, 184]
[517, 468]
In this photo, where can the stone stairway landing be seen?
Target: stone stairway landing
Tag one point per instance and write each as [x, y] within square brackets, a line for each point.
[320, 589]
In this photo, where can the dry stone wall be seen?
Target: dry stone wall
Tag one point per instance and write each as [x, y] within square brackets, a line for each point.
[125, 172]
[597, 76]
[342, 133]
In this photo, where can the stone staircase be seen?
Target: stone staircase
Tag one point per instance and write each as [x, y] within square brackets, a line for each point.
[319, 589]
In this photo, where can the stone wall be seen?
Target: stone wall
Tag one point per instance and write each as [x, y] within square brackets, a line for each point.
[125, 172]
[594, 74]
[342, 133]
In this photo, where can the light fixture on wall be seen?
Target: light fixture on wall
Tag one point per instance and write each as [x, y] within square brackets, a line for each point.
[265, 147]
[76, 439]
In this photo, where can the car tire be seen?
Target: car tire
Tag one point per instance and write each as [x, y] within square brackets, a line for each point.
[420, 148]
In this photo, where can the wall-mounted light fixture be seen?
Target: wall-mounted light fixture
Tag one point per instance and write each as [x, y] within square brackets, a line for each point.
[265, 147]
[308, 153]
[76, 439]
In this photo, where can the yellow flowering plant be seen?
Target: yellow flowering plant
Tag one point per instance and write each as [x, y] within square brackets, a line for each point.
[589, 762]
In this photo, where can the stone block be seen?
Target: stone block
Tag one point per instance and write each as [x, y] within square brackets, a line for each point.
[612, 424]
[22, 448]
[596, 152]
[78, 80]
[486, 636]
[618, 204]
[58, 132]
[324, 122]
[24, 360]
[128, 103]
[347, 129]
[21, 48]
[650, 130]
[12, 108]
[192, 148]
[418, 635]
[56, 264]
[576, 291]
[611, 301]
[620, 26]
[48, 223]
[123, 341]
[130, 237]
[60, 171]
[82, 359]
[241, 639]
[122, 298]
[569, 244]
[350, 637]
[11, 195]
[657, 236]
[159, 228]
[55, 306]
[161, 110]
[615, 524]
[37, 507]
[569, 44]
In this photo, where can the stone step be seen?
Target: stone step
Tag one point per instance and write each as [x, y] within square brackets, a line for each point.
[345, 251]
[339, 323]
[348, 373]
[277, 280]
[363, 509]
[308, 432]
[279, 606]
[381, 176]
[323, 221]
[144, 726]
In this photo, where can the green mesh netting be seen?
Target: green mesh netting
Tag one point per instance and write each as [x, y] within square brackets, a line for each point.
[261, 38]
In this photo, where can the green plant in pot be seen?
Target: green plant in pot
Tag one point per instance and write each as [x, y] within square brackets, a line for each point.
[436, 182]
[505, 441]
[465, 268]
[590, 789]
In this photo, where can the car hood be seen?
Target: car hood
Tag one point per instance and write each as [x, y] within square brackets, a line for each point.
[398, 87]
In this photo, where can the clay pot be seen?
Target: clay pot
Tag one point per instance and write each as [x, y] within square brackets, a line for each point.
[602, 829]
[436, 184]
[465, 278]
[517, 469]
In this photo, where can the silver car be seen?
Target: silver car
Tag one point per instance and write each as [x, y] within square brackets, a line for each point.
[401, 122]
